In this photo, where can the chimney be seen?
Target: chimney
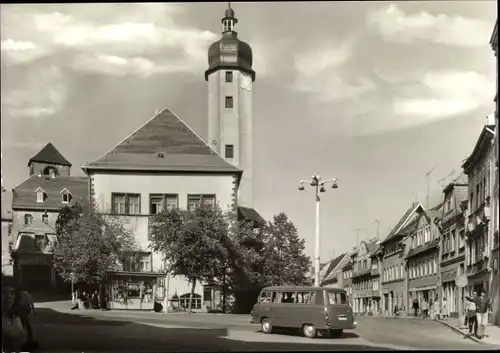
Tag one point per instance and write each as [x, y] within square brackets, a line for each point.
[490, 119]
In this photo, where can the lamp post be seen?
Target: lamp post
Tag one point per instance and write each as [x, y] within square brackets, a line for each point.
[319, 186]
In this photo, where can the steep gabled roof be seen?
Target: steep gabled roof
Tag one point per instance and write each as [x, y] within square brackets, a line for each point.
[24, 195]
[50, 154]
[483, 145]
[334, 264]
[402, 222]
[164, 143]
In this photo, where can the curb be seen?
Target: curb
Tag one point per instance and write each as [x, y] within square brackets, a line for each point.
[461, 332]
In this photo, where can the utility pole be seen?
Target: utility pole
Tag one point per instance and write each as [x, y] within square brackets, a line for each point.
[427, 175]
[378, 228]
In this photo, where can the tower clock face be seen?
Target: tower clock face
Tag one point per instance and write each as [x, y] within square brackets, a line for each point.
[246, 83]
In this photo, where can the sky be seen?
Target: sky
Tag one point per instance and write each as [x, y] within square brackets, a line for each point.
[375, 94]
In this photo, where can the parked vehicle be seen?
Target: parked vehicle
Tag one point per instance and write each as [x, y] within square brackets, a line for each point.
[311, 309]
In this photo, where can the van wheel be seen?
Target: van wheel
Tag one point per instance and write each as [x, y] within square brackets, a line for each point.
[266, 326]
[336, 333]
[309, 330]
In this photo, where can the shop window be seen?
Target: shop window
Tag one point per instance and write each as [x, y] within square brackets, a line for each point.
[184, 301]
[40, 242]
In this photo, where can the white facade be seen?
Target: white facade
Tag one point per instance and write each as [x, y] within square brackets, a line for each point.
[105, 184]
[232, 125]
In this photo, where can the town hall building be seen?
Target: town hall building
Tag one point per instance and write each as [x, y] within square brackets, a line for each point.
[166, 164]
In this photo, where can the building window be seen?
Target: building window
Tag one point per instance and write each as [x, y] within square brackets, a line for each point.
[11, 245]
[9, 230]
[45, 218]
[448, 205]
[28, 219]
[229, 76]
[229, 102]
[453, 239]
[461, 239]
[229, 151]
[65, 196]
[137, 262]
[427, 232]
[198, 200]
[158, 202]
[126, 203]
[40, 195]
[40, 242]
[195, 303]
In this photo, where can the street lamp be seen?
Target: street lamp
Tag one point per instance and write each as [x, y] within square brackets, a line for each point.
[319, 187]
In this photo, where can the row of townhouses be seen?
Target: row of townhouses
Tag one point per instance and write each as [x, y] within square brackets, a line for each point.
[428, 249]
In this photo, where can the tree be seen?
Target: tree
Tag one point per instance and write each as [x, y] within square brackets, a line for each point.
[285, 262]
[89, 245]
[193, 243]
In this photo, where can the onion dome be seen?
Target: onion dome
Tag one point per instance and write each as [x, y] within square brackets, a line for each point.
[229, 53]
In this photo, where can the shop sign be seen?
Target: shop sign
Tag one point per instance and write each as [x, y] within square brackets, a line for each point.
[449, 276]
[461, 281]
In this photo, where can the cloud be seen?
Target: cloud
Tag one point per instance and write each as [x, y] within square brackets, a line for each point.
[41, 94]
[399, 27]
[14, 52]
[446, 94]
[125, 42]
[319, 73]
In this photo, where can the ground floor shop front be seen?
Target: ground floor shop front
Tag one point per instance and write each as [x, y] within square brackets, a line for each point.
[422, 294]
[140, 291]
[367, 306]
[393, 298]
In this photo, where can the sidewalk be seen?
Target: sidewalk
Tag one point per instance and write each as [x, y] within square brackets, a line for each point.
[492, 331]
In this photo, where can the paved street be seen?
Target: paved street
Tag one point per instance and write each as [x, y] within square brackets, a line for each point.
[93, 331]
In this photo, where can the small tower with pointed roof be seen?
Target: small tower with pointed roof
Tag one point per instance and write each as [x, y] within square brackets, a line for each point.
[49, 162]
[230, 78]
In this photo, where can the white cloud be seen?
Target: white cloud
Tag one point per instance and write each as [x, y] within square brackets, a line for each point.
[397, 26]
[446, 94]
[20, 51]
[125, 36]
[319, 74]
[42, 94]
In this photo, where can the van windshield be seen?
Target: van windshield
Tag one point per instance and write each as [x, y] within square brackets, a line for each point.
[336, 298]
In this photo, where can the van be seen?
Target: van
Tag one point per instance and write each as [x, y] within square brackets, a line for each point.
[311, 309]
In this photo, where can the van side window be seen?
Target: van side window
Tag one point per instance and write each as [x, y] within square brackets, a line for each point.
[336, 298]
[265, 297]
[304, 297]
[288, 297]
[277, 297]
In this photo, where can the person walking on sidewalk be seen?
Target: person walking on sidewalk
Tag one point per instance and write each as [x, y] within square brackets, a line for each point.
[425, 309]
[437, 309]
[471, 315]
[415, 307]
[482, 309]
[445, 310]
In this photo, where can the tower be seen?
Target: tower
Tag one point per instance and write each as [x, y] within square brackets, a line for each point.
[49, 162]
[230, 78]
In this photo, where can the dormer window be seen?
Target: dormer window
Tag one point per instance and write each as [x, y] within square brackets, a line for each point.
[40, 195]
[65, 196]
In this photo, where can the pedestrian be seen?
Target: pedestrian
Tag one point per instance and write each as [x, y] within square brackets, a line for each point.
[472, 315]
[425, 309]
[445, 309]
[25, 307]
[437, 311]
[94, 301]
[13, 332]
[415, 307]
[482, 309]
[432, 316]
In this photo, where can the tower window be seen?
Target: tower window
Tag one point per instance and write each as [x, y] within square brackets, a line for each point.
[229, 76]
[229, 151]
[229, 102]
[45, 218]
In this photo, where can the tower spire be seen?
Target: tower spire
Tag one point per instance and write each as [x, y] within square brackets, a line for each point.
[228, 21]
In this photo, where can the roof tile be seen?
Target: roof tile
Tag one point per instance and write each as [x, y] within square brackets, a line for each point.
[164, 143]
[50, 154]
[24, 195]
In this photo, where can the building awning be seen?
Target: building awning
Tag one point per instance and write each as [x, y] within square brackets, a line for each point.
[422, 288]
[136, 274]
[250, 214]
